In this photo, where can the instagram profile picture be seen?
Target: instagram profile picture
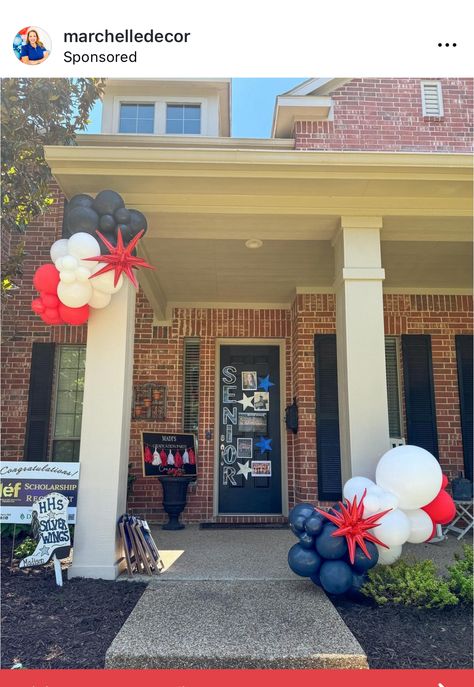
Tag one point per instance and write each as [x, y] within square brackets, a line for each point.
[32, 45]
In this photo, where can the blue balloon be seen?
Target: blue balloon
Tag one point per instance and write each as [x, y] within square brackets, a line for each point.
[303, 562]
[297, 523]
[358, 580]
[315, 578]
[17, 40]
[361, 562]
[328, 546]
[336, 577]
[314, 524]
[303, 509]
[295, 531]
[306, 540]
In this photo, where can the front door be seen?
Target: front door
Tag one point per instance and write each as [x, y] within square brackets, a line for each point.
[249, 450]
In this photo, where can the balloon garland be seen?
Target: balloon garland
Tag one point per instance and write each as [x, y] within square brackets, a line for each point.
[337, 547]
[80, 276]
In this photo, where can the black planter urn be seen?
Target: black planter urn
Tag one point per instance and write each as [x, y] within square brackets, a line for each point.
[175, 490]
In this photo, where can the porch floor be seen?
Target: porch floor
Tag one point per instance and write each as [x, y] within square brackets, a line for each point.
[227, 599]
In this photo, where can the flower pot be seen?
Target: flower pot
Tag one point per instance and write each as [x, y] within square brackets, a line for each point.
[175, 490]
[147, 402]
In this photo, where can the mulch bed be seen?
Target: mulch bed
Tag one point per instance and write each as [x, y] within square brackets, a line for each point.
[46, 626]
[399, 637]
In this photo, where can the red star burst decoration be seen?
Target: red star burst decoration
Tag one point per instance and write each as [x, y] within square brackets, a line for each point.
[353, 526]
[120, 258]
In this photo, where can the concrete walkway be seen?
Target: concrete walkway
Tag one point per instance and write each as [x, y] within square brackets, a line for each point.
[227, 599]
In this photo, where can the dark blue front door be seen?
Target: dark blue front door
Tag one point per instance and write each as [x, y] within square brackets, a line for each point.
[249, 451]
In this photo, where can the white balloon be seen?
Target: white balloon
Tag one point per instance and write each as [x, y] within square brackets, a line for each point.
[99, 299]
[69, 262]
[105, 282]
[355, 487]
[388, 500]
[67, 276]
[411, 473]
[421, 526]
[58, 250]
[375, 490]
[82, 274]
[371, 504]
[74, 295]
[59, 264]
[83, 245]
[394, 528]
[388, 556]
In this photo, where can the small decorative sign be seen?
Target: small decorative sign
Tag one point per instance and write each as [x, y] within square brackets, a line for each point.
[261, 468]
[50, 528]
[22, 483]
[253, 423]
[169, 454]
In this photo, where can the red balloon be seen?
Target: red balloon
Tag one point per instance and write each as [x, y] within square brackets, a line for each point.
[442, 509]
[74, 316]
[46, 278]
[50, 300]
[37, 306]
[445, 482]
[48, 319]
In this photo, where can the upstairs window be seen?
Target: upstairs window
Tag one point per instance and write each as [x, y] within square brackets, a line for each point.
[136, 118]
[432, 99]
[183, 119]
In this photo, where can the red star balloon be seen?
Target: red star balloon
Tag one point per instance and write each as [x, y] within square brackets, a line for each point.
[353, 526]
[120, 258]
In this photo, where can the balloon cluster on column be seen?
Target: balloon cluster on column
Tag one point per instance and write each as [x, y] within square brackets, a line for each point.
[81, 275]
[337, 547]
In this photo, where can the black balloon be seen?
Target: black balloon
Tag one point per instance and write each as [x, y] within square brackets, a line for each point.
[137, 221]
[122, 216]
[84, 219]
[107, 202]
[127, 233]
[81, 199]
[107, 223]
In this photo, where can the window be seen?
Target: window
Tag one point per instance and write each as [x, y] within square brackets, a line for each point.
[393, 386]
[68, 403]
[183, 119]
[432, 99]
[136, 118]
[191, 385]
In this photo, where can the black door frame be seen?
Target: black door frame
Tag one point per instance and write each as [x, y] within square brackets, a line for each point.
[281, 343]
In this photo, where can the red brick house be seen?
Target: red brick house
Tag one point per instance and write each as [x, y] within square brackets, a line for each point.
[334, 258]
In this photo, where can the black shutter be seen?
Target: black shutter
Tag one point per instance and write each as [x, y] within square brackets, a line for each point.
[419, 392]
[39, 402]
[464, 360]
[327, 418]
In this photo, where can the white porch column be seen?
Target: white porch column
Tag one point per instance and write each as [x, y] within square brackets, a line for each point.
[105, 437]
[363, 412]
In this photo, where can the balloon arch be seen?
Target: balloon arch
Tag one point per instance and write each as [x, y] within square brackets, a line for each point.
[406, 502]
[87, 267]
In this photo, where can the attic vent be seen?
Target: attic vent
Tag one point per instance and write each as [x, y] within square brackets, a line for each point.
[432, 99]
[191, 385]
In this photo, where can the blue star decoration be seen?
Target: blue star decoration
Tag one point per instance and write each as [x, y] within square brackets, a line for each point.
[265, 383]
[264, 445]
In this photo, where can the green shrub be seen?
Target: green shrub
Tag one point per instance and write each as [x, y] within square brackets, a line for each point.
[405, 583]
[7, 529]
[26, 548]
[460, 578]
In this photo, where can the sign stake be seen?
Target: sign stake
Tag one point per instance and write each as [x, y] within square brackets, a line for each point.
[57, 571]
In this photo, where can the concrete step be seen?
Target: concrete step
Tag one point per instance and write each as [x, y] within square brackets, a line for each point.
[234, 624]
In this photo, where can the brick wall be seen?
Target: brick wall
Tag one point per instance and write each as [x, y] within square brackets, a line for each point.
[386, 114]
[159, 358]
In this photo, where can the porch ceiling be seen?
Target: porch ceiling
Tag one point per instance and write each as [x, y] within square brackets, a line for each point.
[203, 204]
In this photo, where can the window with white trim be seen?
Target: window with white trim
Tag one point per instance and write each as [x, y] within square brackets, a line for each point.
[432, 99]
[137, 118]
[392, 356]
[192, 350]
[69, 391]
[183, 119]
